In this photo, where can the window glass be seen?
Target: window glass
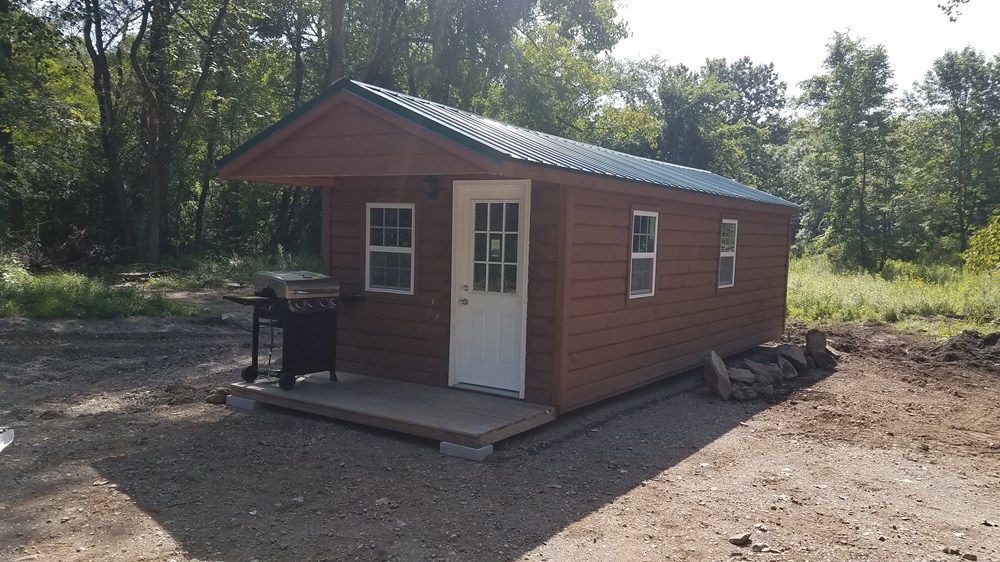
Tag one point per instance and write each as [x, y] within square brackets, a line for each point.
[642, 268]
[390, 248]
[727, 253]
[495, 247]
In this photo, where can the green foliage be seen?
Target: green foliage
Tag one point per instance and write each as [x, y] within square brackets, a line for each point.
[72, 295]
[213, 271]
[984, 248]
[935, 298]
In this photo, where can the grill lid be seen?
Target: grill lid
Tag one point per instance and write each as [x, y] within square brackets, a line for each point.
[295, 284]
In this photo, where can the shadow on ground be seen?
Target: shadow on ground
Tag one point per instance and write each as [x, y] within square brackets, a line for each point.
[279, 485]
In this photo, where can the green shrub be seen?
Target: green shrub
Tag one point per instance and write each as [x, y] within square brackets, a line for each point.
[984, 248]
[71, 295]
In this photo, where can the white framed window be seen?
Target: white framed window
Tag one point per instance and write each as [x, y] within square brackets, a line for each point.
[642, 269]
[727, 253]
[389, 248]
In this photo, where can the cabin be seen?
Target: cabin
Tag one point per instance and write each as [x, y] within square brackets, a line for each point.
[512, 262]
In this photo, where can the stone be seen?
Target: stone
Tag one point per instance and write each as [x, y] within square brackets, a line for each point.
[743, 393]
[969, 556]
[741, 375]
[716, 375]
[794, 355]
[762, 375]
[765, 390]
[951, 550]
[822, 359]
[216, 398]
[760, 547]
[468, 453]
[742, 539]
[833, 351]
[787, 370]
[816, 339]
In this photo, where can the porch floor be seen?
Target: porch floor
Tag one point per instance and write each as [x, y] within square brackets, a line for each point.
[471, 419]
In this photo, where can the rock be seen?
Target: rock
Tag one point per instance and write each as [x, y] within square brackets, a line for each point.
[742, 539]
[823, 359]
[215, 398]
[989, 523]
[741, 375]
[222, 390]
[951, 550]
[762, 375]
[787, 370]
[716, 375]
[794, 355]
[816, 339]
[834, 352]
[765, 390]
[969, 556]
[743, 393]
[761, 547]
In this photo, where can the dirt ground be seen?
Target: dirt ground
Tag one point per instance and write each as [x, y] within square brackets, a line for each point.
[894, 456]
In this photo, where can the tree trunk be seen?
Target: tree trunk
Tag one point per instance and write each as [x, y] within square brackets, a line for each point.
[15, 204]
[118, 208]
[335, 41]
[377, 73]
[209, 165]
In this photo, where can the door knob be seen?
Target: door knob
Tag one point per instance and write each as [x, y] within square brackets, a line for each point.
[463, 301]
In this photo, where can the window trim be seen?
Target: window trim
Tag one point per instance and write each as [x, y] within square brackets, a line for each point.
[391, 249]
[643, 255]
[732, 254]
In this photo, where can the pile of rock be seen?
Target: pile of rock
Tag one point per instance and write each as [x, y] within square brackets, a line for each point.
[762, 375]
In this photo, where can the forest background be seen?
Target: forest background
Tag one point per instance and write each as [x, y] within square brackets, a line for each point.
[113, 114]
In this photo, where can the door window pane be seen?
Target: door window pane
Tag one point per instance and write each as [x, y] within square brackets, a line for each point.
[481, 212]
[510, 278]
[496, 216]
[479, 277]
[511, 217]
[494, 280]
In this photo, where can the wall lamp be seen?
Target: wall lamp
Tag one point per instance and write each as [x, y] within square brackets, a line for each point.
[430, 186]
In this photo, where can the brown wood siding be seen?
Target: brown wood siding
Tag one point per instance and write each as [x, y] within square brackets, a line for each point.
[542, 256]
[616, 343]
[352, 140]
[407, 337]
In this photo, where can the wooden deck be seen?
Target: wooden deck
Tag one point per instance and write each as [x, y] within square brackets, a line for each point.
[471, 419]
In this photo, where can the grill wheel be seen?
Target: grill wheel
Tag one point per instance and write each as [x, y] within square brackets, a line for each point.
[286, 381]
[249, 373]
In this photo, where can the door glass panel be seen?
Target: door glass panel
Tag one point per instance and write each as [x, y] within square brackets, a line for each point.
[510, 217]
[479, 277]
[496, 216]
[493, 283]
[495, 247]
[510, 278]
[480, 251]
[496, 243]
[481, 212]
[510, 248]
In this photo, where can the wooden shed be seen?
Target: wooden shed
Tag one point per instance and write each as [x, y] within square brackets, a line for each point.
[513, 262]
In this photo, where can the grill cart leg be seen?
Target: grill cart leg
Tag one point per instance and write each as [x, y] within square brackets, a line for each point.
[250, 373]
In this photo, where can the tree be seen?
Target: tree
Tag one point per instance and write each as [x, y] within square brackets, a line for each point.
[854, 164]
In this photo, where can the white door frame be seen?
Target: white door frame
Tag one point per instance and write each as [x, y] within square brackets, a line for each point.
[461, 244]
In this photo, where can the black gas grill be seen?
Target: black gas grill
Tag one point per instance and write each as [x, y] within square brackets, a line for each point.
[303, 305]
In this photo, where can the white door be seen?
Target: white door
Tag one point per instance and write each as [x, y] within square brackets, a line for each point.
[489, 285]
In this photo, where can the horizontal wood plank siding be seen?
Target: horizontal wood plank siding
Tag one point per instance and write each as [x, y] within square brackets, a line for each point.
[542, 249]
[616, 343]
[406, 337]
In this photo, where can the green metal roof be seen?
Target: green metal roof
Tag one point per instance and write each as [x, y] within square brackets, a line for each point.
[503, 142]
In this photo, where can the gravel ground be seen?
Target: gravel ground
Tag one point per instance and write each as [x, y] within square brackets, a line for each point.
[893, 456]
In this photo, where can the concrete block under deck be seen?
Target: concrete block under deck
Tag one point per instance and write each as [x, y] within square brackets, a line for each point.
[469, 419]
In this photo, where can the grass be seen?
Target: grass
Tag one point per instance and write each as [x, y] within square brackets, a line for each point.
[940, 300]
[71, 295]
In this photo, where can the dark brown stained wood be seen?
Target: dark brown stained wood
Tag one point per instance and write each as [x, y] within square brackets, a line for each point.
[345, 116]
[466, 418]
[637, 190]
[610, 385]
[406, 337]
[561, 272]
[615, 343]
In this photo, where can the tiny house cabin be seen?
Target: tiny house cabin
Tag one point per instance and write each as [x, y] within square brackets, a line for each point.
[509, 261]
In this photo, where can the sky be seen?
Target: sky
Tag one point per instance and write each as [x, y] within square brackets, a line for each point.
[793, 34]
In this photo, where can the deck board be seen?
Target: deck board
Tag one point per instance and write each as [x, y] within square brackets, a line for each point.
[467, 418]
